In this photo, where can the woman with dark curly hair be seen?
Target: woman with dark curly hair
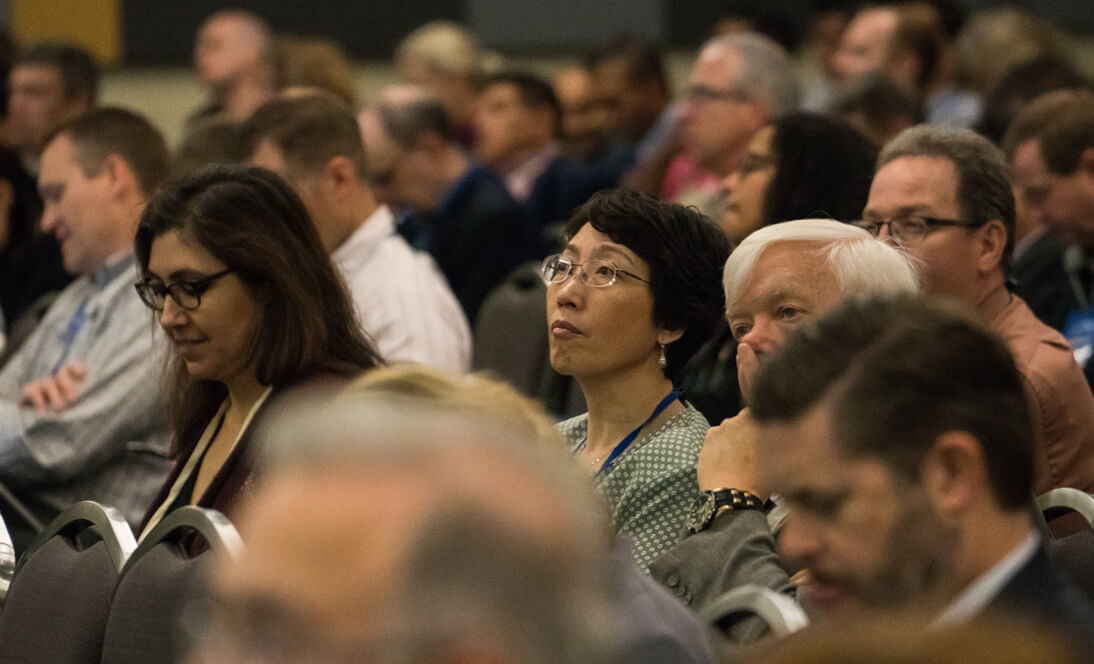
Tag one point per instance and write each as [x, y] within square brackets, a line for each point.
[802, 166]
[634, 293]
[241, 284]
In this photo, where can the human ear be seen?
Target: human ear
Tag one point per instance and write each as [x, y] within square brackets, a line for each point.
[993, 242]
[954, 473]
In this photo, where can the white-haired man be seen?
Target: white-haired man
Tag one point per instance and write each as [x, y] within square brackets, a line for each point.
[779, 278]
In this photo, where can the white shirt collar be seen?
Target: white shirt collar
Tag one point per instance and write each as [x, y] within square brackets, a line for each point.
[974, 598]
[359, 244]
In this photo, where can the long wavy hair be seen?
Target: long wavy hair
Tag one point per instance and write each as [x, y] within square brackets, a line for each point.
[254, 223]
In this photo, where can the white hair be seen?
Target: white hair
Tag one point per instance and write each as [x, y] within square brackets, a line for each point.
[863, 264]
[767, 71]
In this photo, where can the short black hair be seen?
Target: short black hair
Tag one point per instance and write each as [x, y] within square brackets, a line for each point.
[79, 74]
[898, 372]
[640, 57]
[685, 252]
[407, 122]
[534, 92]
[823, 168]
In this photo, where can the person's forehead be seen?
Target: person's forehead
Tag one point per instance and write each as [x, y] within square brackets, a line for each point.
[873, 26]
[784, 269]
[927, 181]
[37, 73]
[1028, 160]
[58, 159]
[362, 532]
[718, 67]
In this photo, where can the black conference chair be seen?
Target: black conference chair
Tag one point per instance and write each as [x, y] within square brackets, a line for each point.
[163, 578]
[59, 597]
[511, 341]
[782, 614]
[1072, 554]
[7, 561]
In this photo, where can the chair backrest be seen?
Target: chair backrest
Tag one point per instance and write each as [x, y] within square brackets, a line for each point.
[7, 560]
[781, 613]
[163, 578]
[511, 330]
[57, 604]
[1063, 500]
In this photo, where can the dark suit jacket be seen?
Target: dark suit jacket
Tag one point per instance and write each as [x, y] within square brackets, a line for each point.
[478, 235]
[1038, 592]
[1040, 280]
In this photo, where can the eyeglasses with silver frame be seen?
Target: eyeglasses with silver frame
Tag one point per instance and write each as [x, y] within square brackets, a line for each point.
[595, 272]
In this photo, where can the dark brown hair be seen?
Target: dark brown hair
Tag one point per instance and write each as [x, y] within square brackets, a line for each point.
[253, 222]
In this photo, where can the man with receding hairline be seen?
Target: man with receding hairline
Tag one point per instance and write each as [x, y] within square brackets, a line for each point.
[81, 413]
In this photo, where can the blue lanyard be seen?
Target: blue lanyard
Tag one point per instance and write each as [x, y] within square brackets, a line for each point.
[625, 443]
[68, 336]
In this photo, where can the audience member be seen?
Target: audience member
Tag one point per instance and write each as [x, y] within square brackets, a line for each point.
[738, 84]
[996, 39]
[50, 83]
[517, 122]
[1020, 85]
[944, 195]
[898, 434]
[631, 298]
[442, 535]
[1053, 286]
[1051, 148]
[215, 140]
[877, 107]
[464, 216]
[81, 412]
[31, 271]
[656, 627]
[234, 59]
[402, 301]
[584, 128]
[788, 173]
[907, 42]
[447, 61]
[630, 81]
[243, 287]
[314, 63]
[779, 279]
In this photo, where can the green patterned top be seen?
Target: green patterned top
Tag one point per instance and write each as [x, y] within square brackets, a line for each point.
[651, 488]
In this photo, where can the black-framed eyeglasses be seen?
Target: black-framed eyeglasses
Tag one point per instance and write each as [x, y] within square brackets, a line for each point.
[186, 294]
[595, 272]
[911, 228]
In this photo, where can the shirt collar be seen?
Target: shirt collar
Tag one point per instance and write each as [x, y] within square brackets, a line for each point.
[380, 224]
[986, 587]
[112, 268]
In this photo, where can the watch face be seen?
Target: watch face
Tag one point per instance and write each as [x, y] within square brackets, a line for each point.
[704, 512]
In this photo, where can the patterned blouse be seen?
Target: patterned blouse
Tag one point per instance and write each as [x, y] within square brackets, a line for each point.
[651, 488]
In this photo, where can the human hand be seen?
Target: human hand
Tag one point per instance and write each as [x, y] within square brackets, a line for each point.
[56, 392]
[728, 457]
[748, 363]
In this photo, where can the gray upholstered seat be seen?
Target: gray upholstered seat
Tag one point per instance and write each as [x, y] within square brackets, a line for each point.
[58, 601]
[163, 578]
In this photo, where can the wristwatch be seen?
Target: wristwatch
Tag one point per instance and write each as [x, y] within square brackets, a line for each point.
[713, 504]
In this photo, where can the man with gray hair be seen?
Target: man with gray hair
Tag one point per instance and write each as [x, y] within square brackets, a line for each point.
[739, 84]
[778, 279]
[944, 195]
[391, 529]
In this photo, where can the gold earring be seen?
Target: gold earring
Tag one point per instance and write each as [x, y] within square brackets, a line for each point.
[661, 361]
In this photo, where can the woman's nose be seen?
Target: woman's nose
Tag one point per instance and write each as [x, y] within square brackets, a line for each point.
[172, 315]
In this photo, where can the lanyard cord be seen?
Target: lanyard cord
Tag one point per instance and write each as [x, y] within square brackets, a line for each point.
[630, 438]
